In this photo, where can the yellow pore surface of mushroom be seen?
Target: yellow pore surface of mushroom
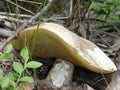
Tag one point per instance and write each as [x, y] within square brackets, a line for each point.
[53, 40]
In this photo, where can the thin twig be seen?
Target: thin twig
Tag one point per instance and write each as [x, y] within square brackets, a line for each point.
[57, 17]
[86, 8]
[111, 23]
[20, 7]
[26, 24]
[13, 19]
[32, 2]
[14, 14]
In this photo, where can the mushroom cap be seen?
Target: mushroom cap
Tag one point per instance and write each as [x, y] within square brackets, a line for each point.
[53, 40]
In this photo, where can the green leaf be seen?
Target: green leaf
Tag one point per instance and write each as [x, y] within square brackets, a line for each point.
[102, 16]
[11, 82]
[118, 8]
[92, 5]
[5, 56]
[18, 88]
[109, 1]
[33, 64]
[27, 79]
[114, 17]
[4, 82]
[18, 67]
[1, 74]
[105, 10]
[11, 76]
[96, 6]
[9, 48]
[24, 53]
[113, 2]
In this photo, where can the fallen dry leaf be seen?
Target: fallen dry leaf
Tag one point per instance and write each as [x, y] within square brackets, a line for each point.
[27, 86]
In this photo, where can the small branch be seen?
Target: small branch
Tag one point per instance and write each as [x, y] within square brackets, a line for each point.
[33, 2]
[86, 8]
[13, 19]
[5, 33]
[26, 24]
[14, 14]
[20, 7]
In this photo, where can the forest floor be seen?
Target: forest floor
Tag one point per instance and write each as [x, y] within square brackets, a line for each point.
[107, 40]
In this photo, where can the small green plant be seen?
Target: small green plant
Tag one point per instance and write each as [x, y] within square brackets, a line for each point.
[6, 55]
[12, 79]
[107, 9]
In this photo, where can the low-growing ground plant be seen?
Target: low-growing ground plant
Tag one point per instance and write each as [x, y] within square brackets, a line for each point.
[107, 11]
[12, 80]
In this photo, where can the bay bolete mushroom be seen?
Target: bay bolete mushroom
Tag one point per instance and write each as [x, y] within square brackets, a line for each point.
[53, 40]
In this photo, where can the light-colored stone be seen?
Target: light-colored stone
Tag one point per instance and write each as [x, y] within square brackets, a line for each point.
[61, 73]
